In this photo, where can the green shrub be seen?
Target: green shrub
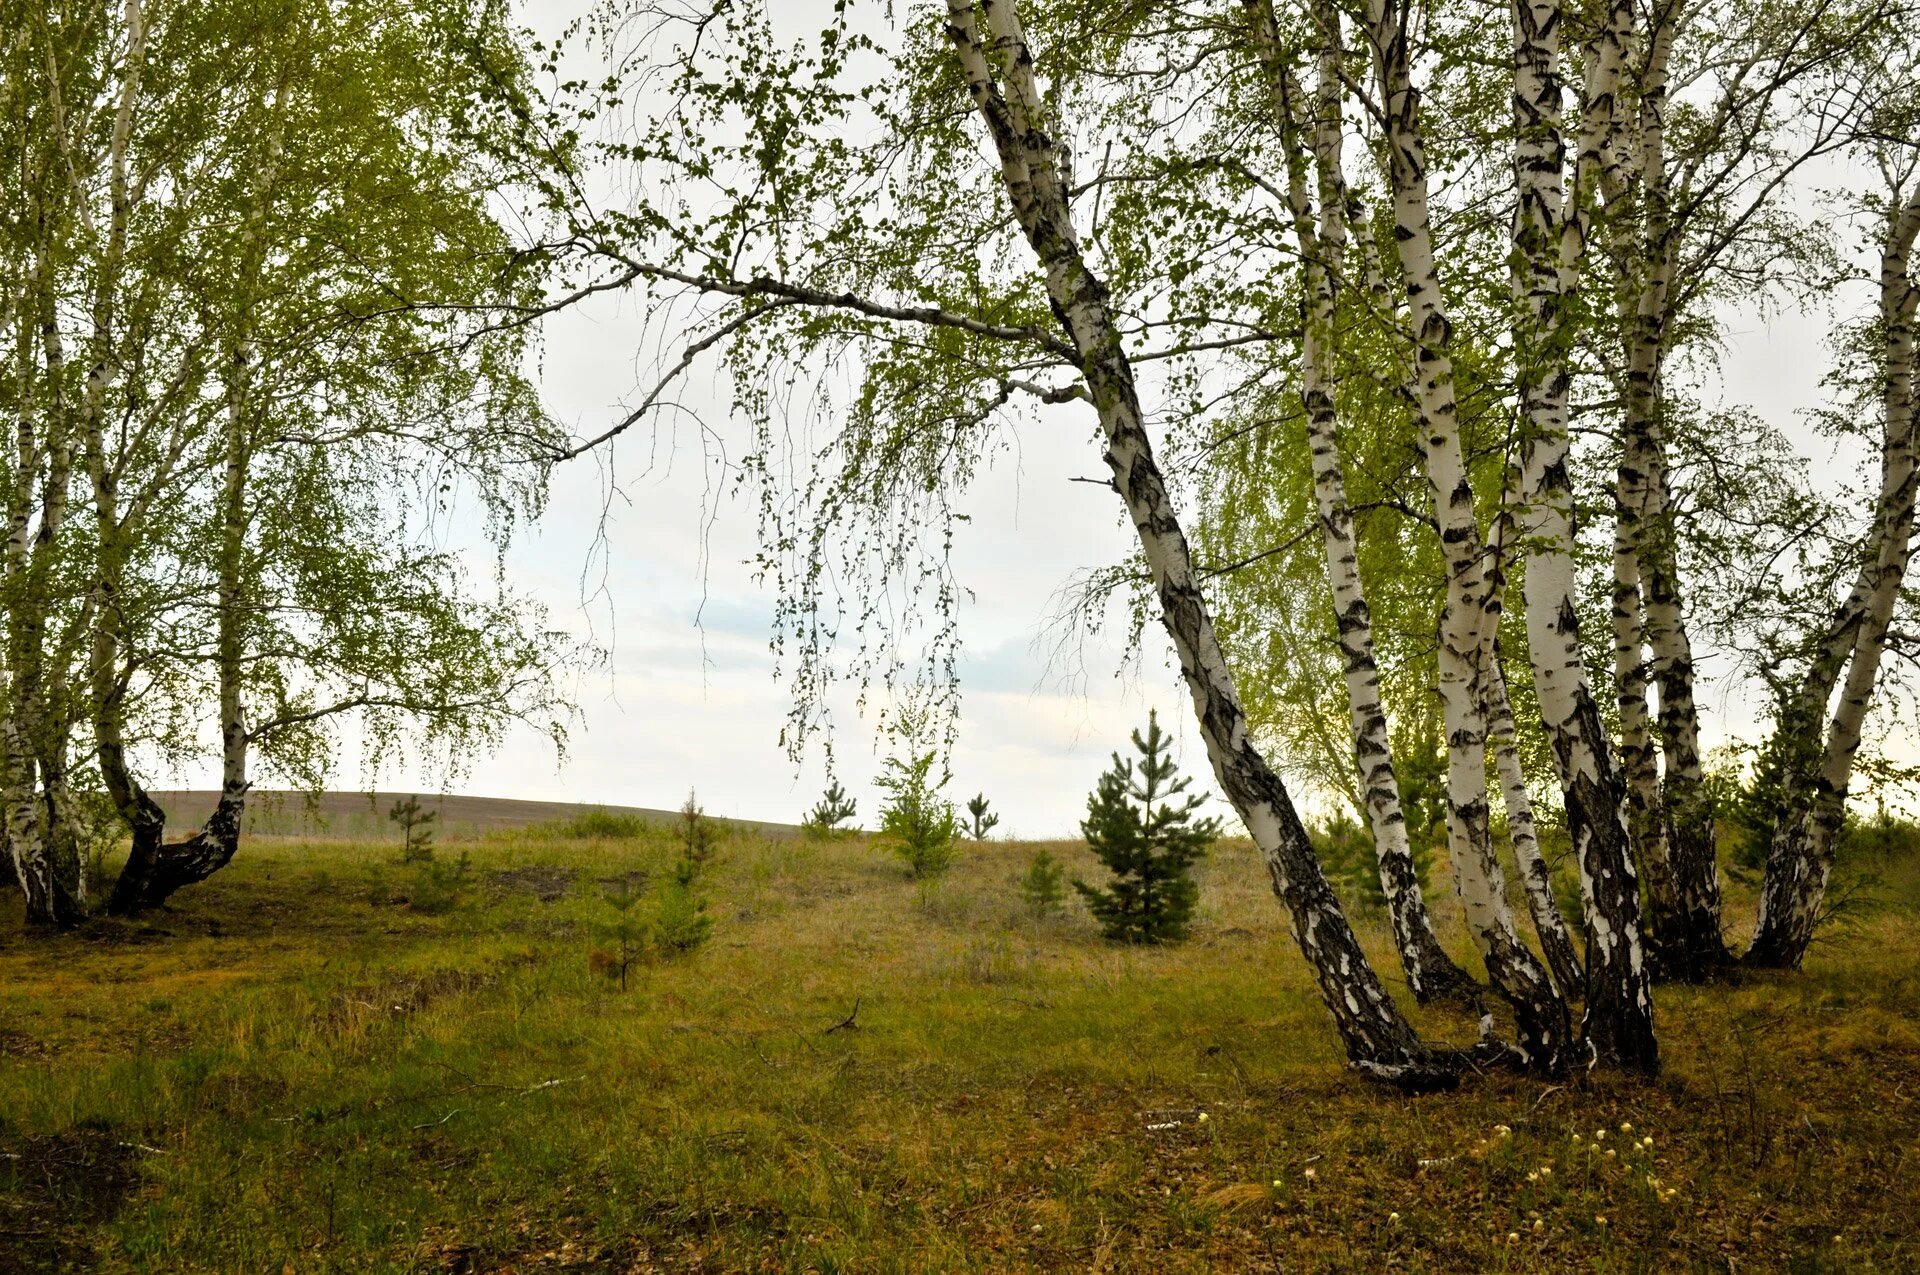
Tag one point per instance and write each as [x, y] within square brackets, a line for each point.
[598, 824]
[437, 885]
[1042, 885]
[917, 823]
[626, 932]
[698, 834]
[1346, 851]
[1148, 841]
[680, 922]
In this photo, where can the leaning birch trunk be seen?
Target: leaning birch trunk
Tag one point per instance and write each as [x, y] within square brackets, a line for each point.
[1801, 856]
[1549, 240]
[1548, 924]
[1693, 946]
[1472, 604]
[1431, 973]
[1000, 79]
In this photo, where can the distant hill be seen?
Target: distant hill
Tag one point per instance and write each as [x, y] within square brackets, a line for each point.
[278, 813]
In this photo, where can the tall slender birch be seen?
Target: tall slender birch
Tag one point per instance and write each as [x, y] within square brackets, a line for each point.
[1430, 971]
[1550, 235]
[998, 68]
[1472, 603]
[1801, 855]
[1548, 925]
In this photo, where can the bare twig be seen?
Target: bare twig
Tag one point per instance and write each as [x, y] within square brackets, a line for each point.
[847, 1023]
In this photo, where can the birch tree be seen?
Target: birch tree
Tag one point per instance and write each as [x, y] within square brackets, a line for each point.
[1847, 656]
[1316, 128]
[244, 212]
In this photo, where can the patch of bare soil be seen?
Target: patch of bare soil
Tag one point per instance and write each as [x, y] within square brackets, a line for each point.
[17, 1044]
[54, 1188]
[544, 882]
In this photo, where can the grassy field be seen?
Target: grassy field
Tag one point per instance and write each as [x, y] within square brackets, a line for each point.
[322, 1061]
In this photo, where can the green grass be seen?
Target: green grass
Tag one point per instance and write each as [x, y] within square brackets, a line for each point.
[295, 1069]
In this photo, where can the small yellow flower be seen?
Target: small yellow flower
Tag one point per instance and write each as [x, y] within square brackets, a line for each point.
[1503, 1131]
[1394, 1218]
[1609, 1153]
[1599, 1219]
[1533, 1176]
[1276, 1184]
[1646, 1143]
[1599, 1135]
[1546, 1170]
[1203, 1117]
[1309, 1174]
[1538, 1226]
[1513, 1237]
[1626, 1127]
[1576, 1139]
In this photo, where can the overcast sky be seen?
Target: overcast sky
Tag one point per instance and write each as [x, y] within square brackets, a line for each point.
[688, 697]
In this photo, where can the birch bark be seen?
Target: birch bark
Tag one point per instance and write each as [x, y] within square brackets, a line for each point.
[1548, 925]
[1693, 946]
[1550, 238]
[1801, 856]
[1430, 972]
[998, 69]
[154, 871]
[1541, 1014]
[46, 862]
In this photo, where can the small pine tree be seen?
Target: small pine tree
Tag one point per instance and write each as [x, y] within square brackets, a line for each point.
[917, 823]
[680, 923]
[1149, 841]
[416, 830]
[834, 809]
[980, 820]
[1041, 886]
[697, 833]
[626, 931]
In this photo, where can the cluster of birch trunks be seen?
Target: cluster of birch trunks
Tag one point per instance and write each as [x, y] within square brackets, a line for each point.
[1016, 233]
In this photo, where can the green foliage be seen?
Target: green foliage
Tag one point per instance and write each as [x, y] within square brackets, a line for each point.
[980, 820]
[604, 825]
[1042, 885]
[1149, 840]
[416, 829]
[830, 813]
[917, 823]
[1347, 853]
[438, 884]
[680, 924]
[624, 929]
[698, 835]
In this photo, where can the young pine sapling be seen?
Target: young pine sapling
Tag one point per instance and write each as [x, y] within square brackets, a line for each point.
[1144, 830]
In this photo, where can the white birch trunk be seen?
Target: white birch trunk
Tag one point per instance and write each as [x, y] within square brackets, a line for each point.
[1801, 856]
[1430, 972]
[1550, 237]
[1551, 928]
[1683, 881]
[999, 74]
[1472, 604]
